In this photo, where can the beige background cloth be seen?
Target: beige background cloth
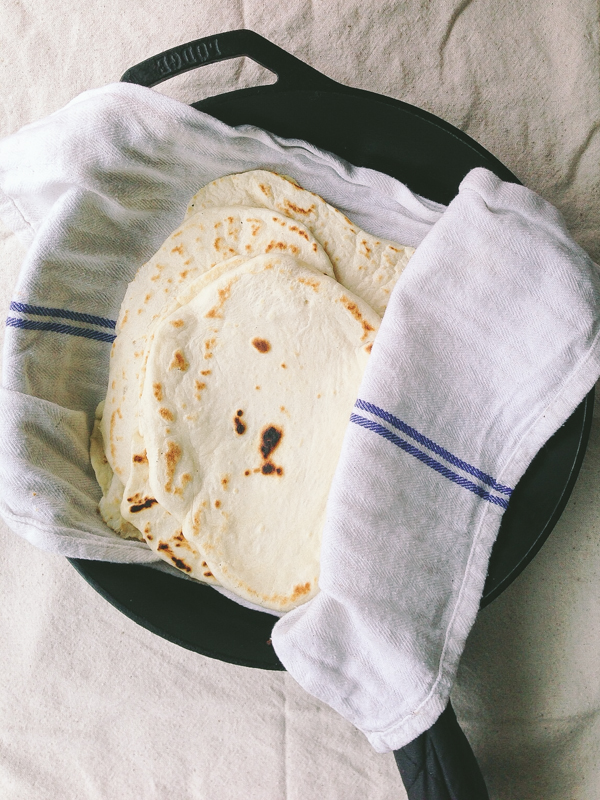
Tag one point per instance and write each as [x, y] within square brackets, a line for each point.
[94, 706]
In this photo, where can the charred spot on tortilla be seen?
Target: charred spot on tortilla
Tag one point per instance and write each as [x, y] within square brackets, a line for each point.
[148, 503]
[240, 427]
[262, 345]
[271, 437]
[270, 440]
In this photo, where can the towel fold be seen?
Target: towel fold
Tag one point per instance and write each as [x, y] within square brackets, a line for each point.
[488, 344]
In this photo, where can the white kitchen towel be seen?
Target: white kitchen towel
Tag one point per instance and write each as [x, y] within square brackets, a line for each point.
[93, 190]
[488, 344]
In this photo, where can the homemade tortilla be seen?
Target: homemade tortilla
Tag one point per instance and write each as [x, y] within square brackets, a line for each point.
[248, 392]
[366, 265]
[200, 244]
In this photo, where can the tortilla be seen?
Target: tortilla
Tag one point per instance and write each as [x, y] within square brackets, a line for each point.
[210, 238]
[366, 265]
[248, 392]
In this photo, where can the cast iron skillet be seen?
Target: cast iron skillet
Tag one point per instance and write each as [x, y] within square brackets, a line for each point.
[431, 157]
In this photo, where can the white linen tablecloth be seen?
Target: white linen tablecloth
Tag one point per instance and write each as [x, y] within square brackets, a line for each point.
[93, 706]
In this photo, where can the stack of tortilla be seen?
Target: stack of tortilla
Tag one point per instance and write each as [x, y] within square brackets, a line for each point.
[240, 349]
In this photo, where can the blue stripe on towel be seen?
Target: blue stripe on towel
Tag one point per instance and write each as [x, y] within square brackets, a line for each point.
[57, 327]
[61, 313]
[428, 460]
[431, 445]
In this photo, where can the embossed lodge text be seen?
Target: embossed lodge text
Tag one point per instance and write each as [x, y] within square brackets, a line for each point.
[190, 56]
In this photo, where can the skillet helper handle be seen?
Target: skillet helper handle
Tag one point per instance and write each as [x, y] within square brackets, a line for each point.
[290, 71]
[440, 765]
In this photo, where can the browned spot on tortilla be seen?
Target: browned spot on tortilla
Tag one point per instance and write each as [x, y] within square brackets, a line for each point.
[297, 209]
[355, 311]
[300, 590]
[280, 221]
[177, 323]
[172, 457]
[312, 282]
[369, 347]
[147, 528]
[314, 247]
[166, 414]
[149, 536]
[115, 413]
[225, 481]
[366, 247]
[208, 574]
[224, 294]
[179, 361]
[284, 366]
[300, 232]
[204, 564]
[247, 472]
[140, 458]
[124, 320]
[265, 189]
[255, 224]
[395, 249]
[148, 296]
[177, 233]
[275, 246]
[218, 243]
[185, 479]
[157, 387]
[205, 372]
[199, 387]
[147, 503]
[217, 504]
[196, 526]
[257, 387]
[178, 249]
[262, 345]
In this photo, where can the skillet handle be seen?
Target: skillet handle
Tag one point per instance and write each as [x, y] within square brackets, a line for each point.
[440, 765]
[290, 71]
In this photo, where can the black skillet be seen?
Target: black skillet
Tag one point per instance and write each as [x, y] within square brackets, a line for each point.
[431, 157]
